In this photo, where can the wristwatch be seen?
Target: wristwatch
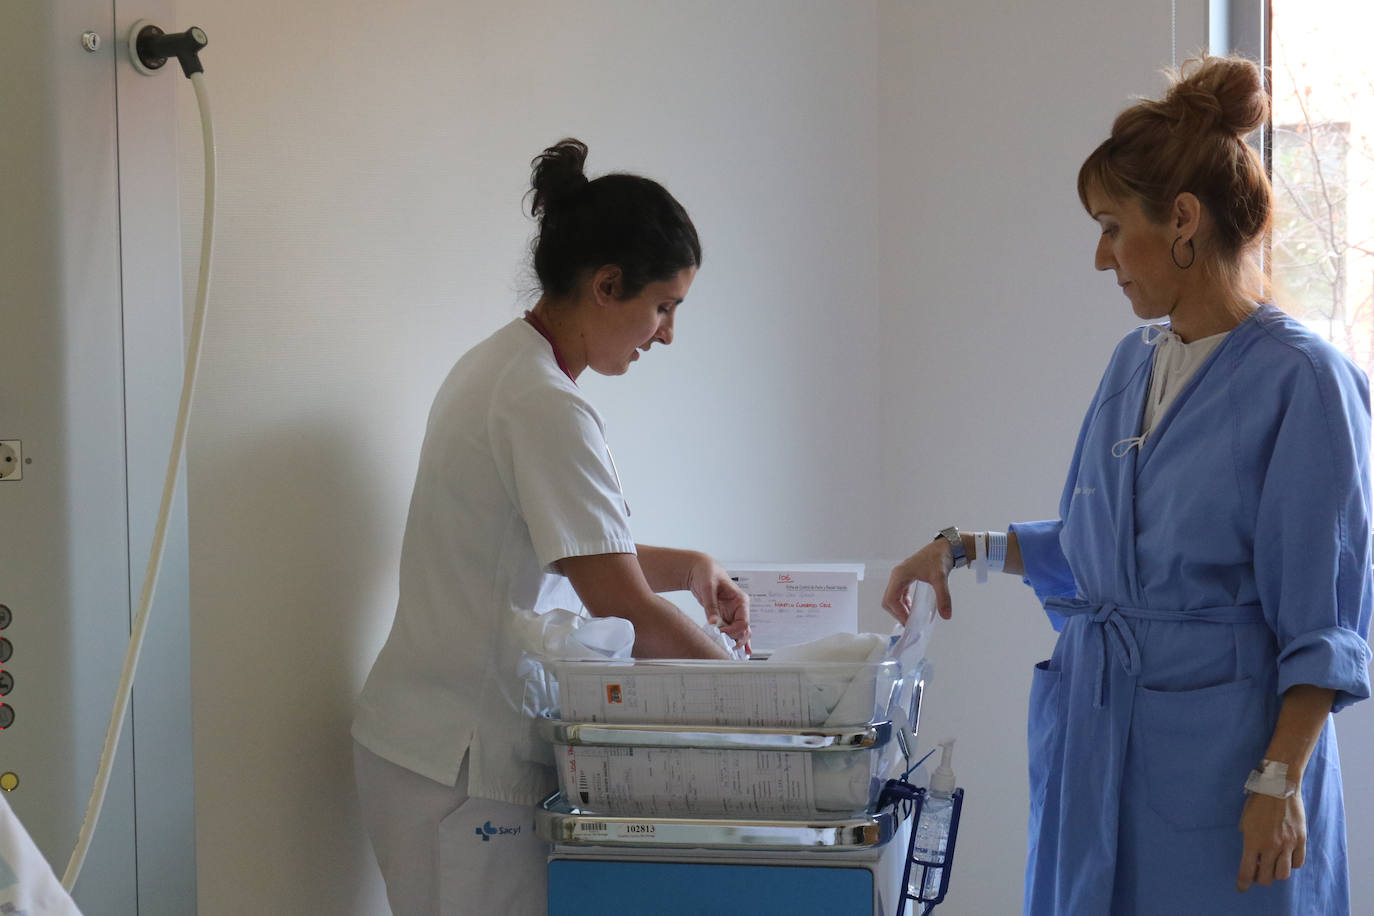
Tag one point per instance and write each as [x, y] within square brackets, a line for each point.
[956, 545]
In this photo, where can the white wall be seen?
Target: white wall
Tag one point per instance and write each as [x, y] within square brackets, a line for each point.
[373, 159]
[885, 195]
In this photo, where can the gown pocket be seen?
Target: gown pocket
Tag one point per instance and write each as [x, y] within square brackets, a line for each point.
[1198, 746]
[1043, 732]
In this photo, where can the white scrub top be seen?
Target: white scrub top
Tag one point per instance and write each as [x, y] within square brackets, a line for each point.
[514, 475]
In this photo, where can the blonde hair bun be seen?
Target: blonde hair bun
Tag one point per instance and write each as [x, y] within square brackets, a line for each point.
[1218, 93]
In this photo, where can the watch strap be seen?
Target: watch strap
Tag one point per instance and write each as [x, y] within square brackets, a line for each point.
[956, 545]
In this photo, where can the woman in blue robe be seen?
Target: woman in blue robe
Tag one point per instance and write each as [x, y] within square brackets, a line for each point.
[1209, 573]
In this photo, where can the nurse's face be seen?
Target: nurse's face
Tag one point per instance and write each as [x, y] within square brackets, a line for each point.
[1138, 251]
[628, 327]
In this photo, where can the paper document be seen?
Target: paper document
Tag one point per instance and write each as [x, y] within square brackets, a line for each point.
[773, 699]
[796, 604]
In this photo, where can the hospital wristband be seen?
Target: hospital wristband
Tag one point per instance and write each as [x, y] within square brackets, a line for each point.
[989, 553]
[980, 557]
[997, 551]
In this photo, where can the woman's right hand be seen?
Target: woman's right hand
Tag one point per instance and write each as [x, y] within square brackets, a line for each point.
[932, 564]
[720, 597]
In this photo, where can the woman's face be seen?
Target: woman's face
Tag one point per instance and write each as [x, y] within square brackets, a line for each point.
[1138, 251]
[627, 326]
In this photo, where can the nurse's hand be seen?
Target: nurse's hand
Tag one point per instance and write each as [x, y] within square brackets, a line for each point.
[725, 605]
[1274, 832]
[932, 563]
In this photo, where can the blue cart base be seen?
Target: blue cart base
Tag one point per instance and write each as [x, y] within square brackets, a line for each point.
[581, 886]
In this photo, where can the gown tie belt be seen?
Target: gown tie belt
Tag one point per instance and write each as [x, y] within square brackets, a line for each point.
[1116, 632]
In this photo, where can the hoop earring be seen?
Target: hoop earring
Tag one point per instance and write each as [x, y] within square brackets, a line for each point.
[1174, 254]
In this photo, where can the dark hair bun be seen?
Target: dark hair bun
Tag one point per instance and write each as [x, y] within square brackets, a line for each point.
[1219, 93]
[629, 221]
[557, 175]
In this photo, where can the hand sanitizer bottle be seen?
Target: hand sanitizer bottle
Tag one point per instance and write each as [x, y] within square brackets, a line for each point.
[932, 833]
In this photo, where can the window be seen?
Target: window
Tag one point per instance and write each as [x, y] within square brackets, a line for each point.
[1321, 252]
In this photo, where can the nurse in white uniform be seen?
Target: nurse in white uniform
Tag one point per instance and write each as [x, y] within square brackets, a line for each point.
[516, 499]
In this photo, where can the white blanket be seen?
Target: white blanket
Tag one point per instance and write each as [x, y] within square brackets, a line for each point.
[28, 886]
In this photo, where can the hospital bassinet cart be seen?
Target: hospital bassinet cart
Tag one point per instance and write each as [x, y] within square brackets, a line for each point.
[729, 811]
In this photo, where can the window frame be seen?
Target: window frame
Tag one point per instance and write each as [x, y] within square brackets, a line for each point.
[1246, 27]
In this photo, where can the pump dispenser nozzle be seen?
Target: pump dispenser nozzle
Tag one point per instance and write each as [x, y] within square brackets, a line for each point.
[942, 780]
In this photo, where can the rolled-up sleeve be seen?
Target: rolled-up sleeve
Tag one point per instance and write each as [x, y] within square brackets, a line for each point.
[1312, 537]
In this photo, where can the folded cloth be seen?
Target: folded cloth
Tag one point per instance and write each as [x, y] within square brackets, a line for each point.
[560, 635]
[837, 647]
[839, 695]
[27, 883]
[722, 639]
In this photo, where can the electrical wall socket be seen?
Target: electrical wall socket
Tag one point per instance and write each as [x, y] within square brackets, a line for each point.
[11, 459]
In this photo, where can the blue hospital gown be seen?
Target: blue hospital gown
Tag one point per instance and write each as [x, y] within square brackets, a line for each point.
[1193, 580]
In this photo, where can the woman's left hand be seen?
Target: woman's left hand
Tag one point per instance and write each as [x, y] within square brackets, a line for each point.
[725, 605]
[1274, 834]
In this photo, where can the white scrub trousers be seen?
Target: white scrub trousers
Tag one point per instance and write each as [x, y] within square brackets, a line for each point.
[443, 853]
